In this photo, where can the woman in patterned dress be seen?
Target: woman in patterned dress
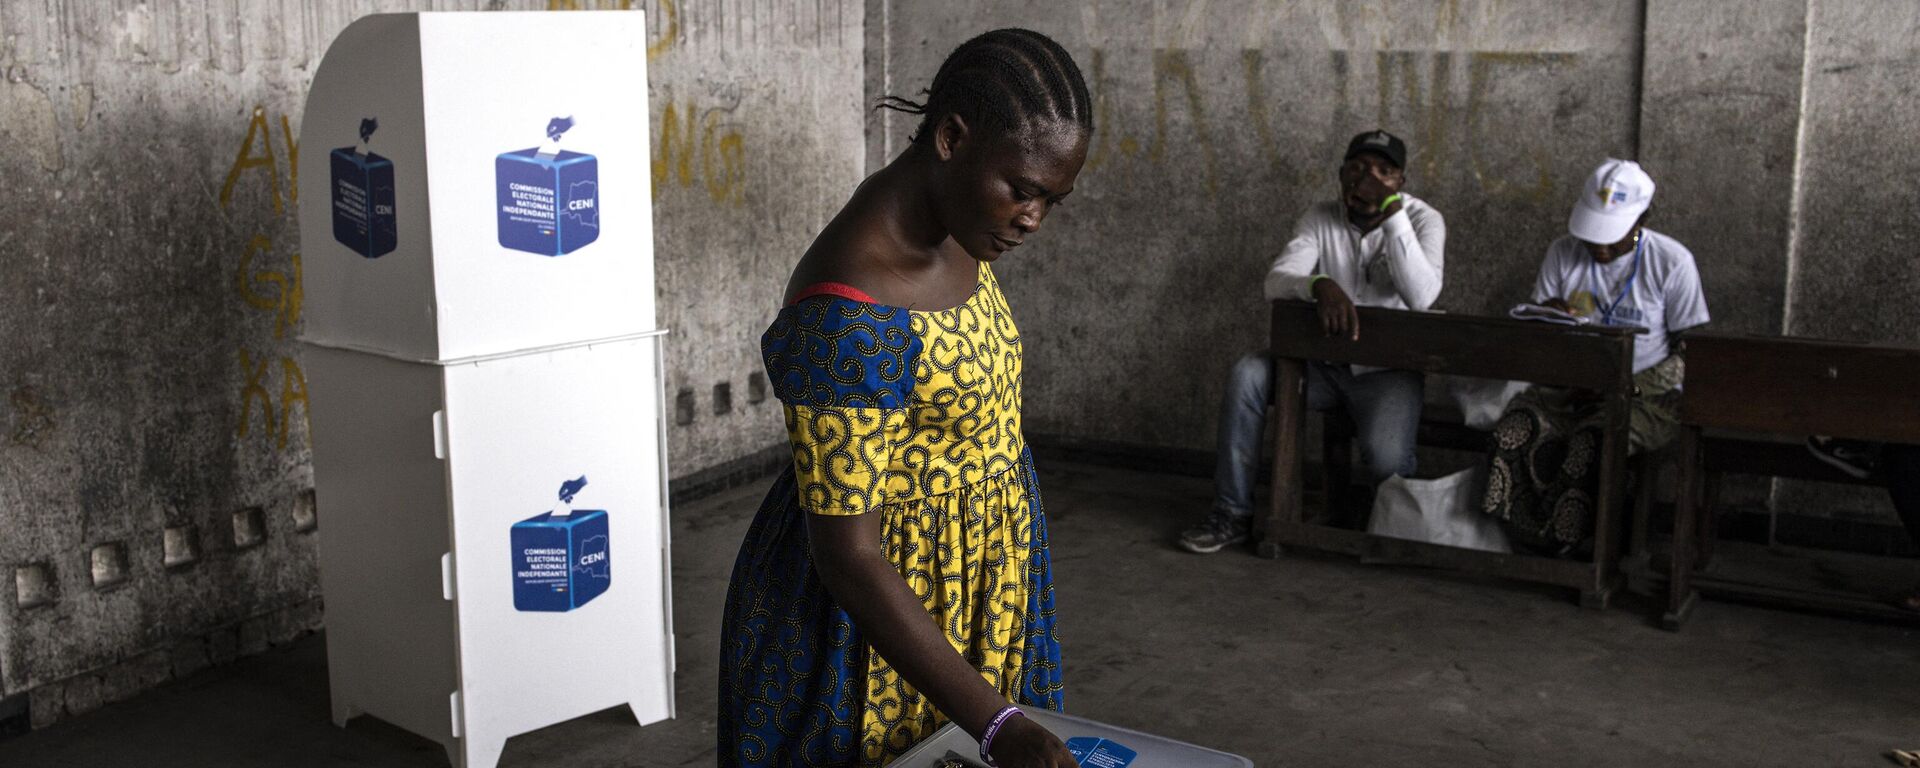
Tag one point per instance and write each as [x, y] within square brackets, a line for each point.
[897, 578]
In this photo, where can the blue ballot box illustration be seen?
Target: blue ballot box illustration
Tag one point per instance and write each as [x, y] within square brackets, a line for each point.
[560, 560]
[548, 198]
[362, 185]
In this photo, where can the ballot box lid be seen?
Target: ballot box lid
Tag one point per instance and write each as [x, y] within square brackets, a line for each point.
[1150, 751]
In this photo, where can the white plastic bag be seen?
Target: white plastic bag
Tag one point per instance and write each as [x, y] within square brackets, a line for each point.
[1481, 401]
[1444, 510]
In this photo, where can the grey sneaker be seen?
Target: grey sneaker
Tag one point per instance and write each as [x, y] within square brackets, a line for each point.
[1853, 457]
[1219, 531]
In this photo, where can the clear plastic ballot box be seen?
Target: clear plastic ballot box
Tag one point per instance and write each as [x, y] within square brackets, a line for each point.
[486, 185]
[485, 376]
[1095, 745]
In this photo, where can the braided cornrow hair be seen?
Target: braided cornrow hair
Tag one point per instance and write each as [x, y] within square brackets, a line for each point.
[1008, 79]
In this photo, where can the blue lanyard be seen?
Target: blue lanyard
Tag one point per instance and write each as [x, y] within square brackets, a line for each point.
[1593, 280]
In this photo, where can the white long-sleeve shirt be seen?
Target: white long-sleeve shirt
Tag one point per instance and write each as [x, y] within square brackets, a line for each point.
[1397, 265]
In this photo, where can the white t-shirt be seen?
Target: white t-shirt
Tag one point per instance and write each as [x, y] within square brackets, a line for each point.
[1659, 290]
[1398, 265]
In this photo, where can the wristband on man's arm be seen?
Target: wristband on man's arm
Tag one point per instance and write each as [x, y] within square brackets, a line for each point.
[1311, 281]
[1391, 199]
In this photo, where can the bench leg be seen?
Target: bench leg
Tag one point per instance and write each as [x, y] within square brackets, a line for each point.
[1674, 617]
[1609, 509]
[1598, 599]
[1709, 519]
[1289, 406]
[1686, 529]
[1640, 559]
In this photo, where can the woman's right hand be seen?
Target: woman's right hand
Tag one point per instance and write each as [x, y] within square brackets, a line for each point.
[1023, 743]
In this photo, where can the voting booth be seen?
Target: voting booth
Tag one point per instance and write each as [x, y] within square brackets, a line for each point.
[485, 374]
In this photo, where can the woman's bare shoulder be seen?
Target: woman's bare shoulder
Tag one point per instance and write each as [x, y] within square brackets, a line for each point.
[847, 254]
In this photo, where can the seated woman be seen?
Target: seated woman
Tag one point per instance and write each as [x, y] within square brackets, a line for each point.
[1542, 478]
[897, 576]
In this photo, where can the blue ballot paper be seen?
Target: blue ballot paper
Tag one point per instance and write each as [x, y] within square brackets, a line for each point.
[560, 561]
[548, 198]
[1091, 752]
[362, 190]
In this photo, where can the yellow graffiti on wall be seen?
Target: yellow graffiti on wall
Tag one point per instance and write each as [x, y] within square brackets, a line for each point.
[249, 158]
[273, 289]
[721, 148]
[1414, 91]
[293, 391]
[283, 293]
[1173, 66]
[253, 389]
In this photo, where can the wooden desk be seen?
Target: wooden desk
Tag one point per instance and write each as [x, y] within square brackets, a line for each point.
[1779, 386]
[1595, 358]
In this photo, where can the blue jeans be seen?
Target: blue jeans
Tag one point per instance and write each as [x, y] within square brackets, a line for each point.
[1384, 405]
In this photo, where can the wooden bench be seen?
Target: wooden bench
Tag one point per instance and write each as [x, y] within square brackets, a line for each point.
[1750, 402]
[1595, 358]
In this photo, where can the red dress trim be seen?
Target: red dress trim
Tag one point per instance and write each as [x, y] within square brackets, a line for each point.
[841, 290]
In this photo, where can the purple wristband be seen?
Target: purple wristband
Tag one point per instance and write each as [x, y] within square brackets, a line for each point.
[1000, 718]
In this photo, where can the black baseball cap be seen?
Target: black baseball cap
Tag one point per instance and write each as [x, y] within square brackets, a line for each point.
[1386, 144]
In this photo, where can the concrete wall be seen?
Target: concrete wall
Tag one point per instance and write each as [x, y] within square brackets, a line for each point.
[152, 386]
[1855, 258]
[757, 143]
[150, 381]
[1218, 122]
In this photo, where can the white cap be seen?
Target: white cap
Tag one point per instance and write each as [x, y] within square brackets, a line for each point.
[1615, 196]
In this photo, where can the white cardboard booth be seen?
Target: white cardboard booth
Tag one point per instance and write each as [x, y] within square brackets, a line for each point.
[487, 184]
[485, 374]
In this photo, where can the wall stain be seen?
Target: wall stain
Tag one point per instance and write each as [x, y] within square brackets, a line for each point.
[1481, 67]
[33, 418]
[28, 120]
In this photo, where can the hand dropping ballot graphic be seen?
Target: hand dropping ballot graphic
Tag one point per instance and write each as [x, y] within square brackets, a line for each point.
[548, 198]
[362, 186]
[560, 556]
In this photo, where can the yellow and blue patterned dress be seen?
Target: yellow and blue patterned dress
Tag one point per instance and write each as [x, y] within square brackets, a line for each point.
[913, 416]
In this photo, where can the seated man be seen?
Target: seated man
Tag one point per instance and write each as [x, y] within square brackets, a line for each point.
[1375, 247]
[1613, 269]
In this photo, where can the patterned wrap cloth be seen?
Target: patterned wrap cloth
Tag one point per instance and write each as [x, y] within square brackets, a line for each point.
[913, 416]
[1544, 479]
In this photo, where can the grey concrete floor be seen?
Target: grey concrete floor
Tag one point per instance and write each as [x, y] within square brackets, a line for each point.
[1305, 661]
